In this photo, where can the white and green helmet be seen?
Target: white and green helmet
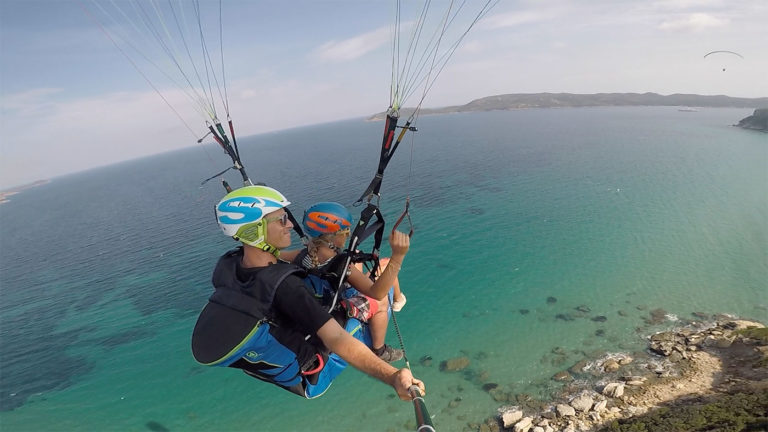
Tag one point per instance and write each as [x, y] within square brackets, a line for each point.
[240, 214]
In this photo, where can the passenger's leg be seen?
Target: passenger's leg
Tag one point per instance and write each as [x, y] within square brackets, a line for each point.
[378, 327]
[378, 324]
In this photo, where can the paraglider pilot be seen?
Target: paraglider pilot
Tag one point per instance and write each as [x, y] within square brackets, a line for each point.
[263, 320]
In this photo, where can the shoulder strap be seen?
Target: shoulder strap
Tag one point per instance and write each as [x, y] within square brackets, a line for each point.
[300, 257]
[255, 297]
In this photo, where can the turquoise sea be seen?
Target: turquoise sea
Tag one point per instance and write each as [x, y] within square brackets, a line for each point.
[621, 210]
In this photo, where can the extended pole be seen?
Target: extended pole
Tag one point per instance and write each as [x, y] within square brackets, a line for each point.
[423, 421]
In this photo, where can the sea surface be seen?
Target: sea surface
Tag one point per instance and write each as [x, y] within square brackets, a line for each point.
[521, 217]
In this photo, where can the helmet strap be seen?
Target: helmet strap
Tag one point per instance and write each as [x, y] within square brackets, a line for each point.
[266, 247]
[324, 241]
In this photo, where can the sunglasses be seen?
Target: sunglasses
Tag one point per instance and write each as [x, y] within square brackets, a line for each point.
[282, 218]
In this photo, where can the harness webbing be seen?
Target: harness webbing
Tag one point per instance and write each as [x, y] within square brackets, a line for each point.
[362, 231]
[221, 138]
[387, 151]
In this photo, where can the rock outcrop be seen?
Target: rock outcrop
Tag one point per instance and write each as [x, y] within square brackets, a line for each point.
[757, 121]
[702, 360]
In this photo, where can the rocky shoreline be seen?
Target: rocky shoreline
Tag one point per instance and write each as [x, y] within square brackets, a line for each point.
[713, 359]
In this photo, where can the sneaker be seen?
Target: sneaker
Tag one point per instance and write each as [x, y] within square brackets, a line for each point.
[398, 304]
[389, 354]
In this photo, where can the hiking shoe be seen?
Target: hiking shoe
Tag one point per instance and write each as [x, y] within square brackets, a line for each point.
[389, 354]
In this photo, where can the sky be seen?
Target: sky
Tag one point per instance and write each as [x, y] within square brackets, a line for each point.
[71, 100]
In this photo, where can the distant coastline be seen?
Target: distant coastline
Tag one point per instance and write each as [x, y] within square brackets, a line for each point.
[571, 100]
[4, 194]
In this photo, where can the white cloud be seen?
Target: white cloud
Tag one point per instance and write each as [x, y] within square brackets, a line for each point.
[471, 47]
[29, 102]
[693, 22]
[74, 135]
[686, 4]
[69, 136]
[352, 48]
[513, 19]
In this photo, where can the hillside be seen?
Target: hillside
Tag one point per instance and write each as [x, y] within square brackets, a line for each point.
[566, 100]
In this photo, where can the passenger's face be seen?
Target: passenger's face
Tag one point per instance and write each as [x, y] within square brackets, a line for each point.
[340, 239]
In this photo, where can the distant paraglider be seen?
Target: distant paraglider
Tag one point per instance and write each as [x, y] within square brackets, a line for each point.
[728, 52]
[723, 53]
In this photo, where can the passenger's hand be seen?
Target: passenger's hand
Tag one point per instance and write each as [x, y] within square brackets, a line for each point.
[403, 381]
[399, 242]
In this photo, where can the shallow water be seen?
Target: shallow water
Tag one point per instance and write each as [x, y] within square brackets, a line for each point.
[621, 210]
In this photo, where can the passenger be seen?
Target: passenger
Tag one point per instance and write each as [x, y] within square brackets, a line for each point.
[399, 297]
[328, 225]
[262, 319]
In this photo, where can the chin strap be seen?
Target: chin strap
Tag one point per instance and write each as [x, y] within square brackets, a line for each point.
[266, 247]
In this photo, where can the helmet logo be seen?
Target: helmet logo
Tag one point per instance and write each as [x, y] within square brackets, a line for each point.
[325, 222]
[243, 210]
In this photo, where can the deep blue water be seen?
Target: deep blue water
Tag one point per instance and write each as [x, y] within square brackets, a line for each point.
[102, 273]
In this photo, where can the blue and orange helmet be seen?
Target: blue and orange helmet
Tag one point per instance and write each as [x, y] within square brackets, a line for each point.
[326, 218]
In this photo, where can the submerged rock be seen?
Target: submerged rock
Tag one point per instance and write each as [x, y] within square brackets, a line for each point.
[551, 300]
[500, 395]
[657, 316]
[701, 315]
[454, 364]
[578, 368]
[156, 427]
